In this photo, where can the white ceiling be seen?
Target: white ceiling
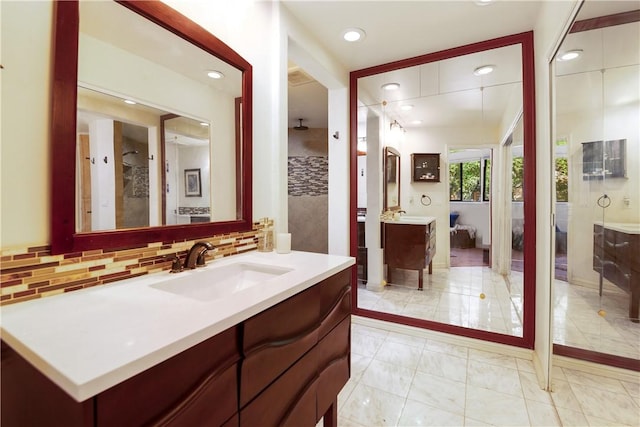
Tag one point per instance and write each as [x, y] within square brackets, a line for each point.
[401, 29]
[116, 25]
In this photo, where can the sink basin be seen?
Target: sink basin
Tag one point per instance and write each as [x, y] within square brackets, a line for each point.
[219, 282]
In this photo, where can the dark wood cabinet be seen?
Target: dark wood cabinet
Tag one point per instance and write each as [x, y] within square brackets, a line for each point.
[361, 257]
[425, 167]
[604, 159]
[409, 246]
[293, 341]
[284, 366]
[615, 257]
[178, 391]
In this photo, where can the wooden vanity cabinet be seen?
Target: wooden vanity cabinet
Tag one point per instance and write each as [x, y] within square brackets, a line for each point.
[296, 356]
[410, 247]
[284, 366]
[615, 257]
[178, 391]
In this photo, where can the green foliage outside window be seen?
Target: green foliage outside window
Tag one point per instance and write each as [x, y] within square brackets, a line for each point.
[517, 179]
[471, 181]
[464, 181]
[455, 188]
[562, 179]
[486, 193]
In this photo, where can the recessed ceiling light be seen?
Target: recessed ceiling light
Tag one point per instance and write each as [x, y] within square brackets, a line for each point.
[406, 107]
[483, 2]
[353, 34]
[391, 86]
[570, 54]
[215, 74]
[130, 102]
[204, 124]
[484, 70]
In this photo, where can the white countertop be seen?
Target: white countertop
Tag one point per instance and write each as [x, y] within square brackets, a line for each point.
[90, 340]
[623, 227]
[411, 220]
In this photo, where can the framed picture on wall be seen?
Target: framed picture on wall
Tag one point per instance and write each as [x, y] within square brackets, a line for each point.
[192, 187]
[425, 167]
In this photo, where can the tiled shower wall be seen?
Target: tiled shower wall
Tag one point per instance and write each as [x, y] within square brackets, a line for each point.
[28, 273]
[308, 182]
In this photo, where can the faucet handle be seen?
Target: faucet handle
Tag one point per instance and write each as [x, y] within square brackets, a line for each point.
[176, 265]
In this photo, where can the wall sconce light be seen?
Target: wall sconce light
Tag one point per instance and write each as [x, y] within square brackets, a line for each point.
[396, 132]
[395, 126]
[362, 144]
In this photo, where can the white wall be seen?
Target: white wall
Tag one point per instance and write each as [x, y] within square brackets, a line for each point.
[478, 215]
[362, 182]
[308, 53]
[26, 58]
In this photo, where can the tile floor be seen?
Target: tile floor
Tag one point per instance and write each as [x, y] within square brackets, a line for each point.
[473, 297]
[452, 296]
[402, 380]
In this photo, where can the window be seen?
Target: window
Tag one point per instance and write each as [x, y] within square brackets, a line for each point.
[517, 179]
[486, 189]
[562, 180]
[465, 181]
[562, 170]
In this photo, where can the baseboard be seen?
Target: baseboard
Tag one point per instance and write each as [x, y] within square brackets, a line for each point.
[596, 369]
[520, 353]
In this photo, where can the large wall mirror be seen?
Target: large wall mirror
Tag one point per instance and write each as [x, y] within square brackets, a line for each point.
[473, 107]
[151, 128]
[596, 80]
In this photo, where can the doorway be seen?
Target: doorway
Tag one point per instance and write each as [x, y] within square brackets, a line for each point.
[307, 162]
[469, 206]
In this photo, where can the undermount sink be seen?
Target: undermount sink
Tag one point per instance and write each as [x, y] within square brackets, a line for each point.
[219, 282]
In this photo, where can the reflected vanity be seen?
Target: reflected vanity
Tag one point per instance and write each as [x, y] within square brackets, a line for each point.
[164, 149]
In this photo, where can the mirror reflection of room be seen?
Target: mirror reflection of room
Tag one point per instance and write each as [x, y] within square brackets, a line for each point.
[473, 215]
[597, 150]
[185, 122]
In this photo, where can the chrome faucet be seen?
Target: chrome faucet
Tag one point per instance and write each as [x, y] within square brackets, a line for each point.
[195, 256]
[402, 212]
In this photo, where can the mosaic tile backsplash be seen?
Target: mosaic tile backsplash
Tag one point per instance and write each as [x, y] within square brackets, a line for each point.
[308, 176]
[187, 210]
[30, 273]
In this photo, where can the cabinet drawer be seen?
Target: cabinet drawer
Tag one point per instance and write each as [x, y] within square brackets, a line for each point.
[333, 364]
[289, 401]
[275, 339]
[335, 301]
[180, 390]
[31, 399]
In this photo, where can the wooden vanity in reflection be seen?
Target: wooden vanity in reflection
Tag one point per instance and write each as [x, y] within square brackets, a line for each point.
[409, 245]
[615, 257]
